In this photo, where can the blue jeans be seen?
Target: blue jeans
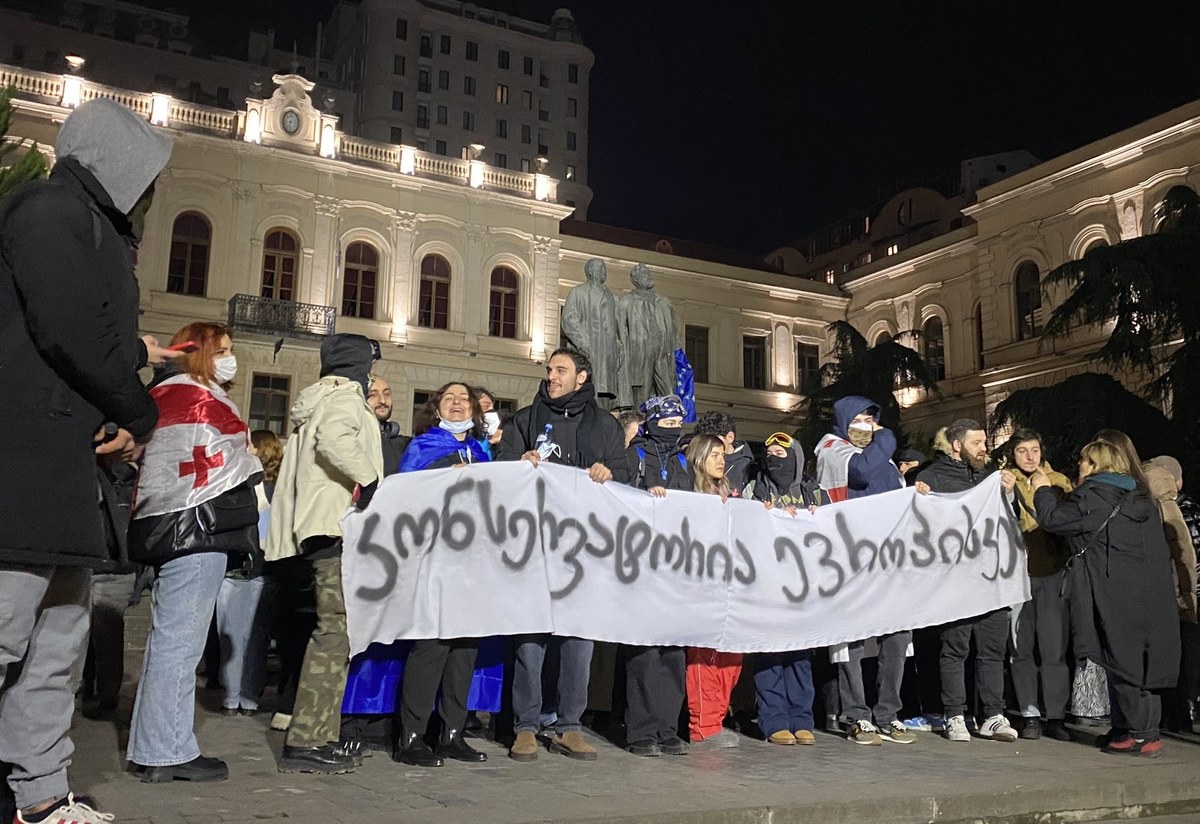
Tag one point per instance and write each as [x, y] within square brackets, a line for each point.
[183, 597]
[575, 662]
[244, 627]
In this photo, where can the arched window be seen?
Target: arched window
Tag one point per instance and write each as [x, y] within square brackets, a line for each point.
[433, 309]
[1027, 293]
[883, 337]
[934, 341]
[360, 273]
[979, 336]
[281, 259]
[502, 310]
[187, 272]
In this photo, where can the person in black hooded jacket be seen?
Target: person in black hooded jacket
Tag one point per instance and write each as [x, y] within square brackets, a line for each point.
[69, 355]
[583, 435]
[654, 676]
[1123, 613]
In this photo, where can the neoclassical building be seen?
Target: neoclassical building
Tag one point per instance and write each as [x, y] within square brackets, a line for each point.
[275, 221]
[272, 219]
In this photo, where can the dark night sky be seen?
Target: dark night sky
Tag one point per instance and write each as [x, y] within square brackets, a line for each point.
[747, 124]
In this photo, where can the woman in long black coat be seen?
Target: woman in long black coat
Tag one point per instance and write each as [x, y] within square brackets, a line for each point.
[1120, 586]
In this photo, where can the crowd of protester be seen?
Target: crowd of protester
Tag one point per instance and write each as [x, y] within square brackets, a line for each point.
[238, 537]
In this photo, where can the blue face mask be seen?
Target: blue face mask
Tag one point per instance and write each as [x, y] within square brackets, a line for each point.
[457, 427]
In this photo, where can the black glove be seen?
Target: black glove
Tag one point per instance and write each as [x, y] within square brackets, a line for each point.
[365, 494]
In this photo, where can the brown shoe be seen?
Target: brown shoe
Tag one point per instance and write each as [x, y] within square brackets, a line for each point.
[572, 745]
[805, 737]
[525, 748]
[783, 737]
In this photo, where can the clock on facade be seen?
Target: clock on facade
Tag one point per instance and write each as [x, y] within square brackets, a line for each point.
[290, 121]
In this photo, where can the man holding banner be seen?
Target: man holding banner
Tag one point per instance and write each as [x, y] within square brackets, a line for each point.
[961, 470]
[855, 461]
[563, 425]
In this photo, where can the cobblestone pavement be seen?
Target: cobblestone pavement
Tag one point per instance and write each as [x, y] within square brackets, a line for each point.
[835, 781]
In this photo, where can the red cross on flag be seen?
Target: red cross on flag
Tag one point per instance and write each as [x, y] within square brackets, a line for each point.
[199, 449]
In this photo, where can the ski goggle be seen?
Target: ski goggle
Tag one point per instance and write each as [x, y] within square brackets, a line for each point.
[780, 439]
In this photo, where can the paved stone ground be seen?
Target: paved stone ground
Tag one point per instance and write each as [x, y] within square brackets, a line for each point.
[835, 781]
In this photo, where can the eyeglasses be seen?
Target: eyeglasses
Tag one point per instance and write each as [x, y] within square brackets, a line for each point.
[780, 439]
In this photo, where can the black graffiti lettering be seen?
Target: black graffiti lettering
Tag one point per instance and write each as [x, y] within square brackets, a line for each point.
[749, 575]
[515, 520]
[855, 548]
[458, 528]
[1016, 546]
[633, 540]
[826, 560]
[720, 551]
[695, 552]
[989, 529]
[891, 551]
[424, 528]
[955, 536]
[670, 547]
[391, 567]
[571, 556]
[605, 533]
[783, 546]
[494, 525]
[972, 546]
[923, 539]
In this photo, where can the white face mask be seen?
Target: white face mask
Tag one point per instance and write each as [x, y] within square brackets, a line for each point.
[225, 369]
[457, 427]
[491, 422]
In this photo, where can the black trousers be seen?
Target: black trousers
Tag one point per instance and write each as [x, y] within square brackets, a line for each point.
[654, 686]
[1042, 627]
[1175, 701]
[432, 663]
[990, 632]
[1142, 709]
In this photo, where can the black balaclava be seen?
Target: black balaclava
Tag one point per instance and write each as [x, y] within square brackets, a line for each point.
[348, 356]
[782, 471]
[660, 435]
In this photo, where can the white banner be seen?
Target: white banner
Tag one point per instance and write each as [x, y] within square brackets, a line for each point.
[507, 549]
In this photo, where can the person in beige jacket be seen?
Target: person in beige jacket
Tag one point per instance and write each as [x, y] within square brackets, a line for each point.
[333, 458]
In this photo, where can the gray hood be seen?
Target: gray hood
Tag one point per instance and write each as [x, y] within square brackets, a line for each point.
[122, 150]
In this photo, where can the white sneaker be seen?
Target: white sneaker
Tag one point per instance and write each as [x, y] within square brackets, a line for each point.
[71, 812]
[956, 729]
[997, 728]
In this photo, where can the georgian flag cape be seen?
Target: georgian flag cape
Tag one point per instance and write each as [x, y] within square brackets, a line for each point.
[199, 450]
[833, 466]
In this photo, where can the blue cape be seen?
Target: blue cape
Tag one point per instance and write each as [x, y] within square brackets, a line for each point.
[435, 445]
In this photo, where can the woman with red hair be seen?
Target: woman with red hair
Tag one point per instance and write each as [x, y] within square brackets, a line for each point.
[195, 514]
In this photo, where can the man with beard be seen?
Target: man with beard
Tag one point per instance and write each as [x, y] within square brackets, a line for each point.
[1042, 621]
[394, 444]
[563, 425]
[855, 461]
[962, 469]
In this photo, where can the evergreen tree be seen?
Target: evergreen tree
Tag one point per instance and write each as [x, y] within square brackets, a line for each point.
[30, 165]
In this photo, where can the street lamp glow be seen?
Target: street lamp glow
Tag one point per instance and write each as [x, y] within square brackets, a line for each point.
[160, 109]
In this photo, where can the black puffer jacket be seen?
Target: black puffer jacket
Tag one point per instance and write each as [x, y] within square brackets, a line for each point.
[945, 474]
[1122, 594]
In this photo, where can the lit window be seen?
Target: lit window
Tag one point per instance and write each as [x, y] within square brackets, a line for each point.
[501, 93]
[893, 249]
[281, 257]
[433, 309]
[570, 172]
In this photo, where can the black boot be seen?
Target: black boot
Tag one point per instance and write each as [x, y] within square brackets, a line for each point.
[1032, 730]
[198, 769]
[1057, 730]
[413, 750]
[454, 746]
[326, 759]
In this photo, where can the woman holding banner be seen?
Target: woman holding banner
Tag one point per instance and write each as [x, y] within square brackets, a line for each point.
[711, 675]
[453, 436]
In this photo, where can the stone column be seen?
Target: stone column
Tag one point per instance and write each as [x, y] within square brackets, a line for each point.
[403, 266]
[543, 303]
[469, 290]
[322, 259]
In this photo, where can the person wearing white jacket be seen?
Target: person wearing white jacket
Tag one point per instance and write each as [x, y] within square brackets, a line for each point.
[334, 454]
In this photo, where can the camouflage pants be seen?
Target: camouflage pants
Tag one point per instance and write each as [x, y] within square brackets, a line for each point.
[317, 717]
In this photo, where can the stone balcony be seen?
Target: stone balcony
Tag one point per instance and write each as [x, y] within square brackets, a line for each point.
[69, 90]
